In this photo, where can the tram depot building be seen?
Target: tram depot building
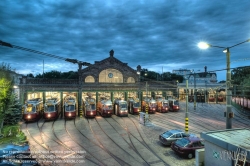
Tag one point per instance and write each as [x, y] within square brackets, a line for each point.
[109, 78]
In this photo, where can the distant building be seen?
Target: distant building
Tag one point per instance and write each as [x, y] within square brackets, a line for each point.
[183, 72]
[16, 80]
[197, 77]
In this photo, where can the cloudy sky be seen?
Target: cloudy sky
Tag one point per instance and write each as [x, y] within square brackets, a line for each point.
[159, 35]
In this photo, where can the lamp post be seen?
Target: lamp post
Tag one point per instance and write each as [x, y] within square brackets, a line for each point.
[229, 114]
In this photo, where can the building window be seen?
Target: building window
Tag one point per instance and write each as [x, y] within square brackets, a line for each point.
[111, 76]
[89, 79]
[131, 80]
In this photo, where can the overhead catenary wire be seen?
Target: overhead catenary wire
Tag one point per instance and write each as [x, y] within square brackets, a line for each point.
[46, 54]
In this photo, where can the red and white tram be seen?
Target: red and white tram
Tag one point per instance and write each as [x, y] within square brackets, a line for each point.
[173, 105]
[163, 106]
[120, 107]
[69, 107]
[150, 104]
[134, 106]
[52, 109]
[33, 109]
[105, 108]
[89, 107]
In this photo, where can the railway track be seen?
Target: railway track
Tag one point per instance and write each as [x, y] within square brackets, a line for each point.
[129, 142]
[41, 153]
[140, 150]
[239, 121]
[89, 156]
[119, 159]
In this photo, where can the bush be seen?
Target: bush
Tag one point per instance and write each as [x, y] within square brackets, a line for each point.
[10, 130]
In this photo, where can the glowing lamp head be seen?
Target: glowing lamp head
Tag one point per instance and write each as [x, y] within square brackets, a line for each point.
[203, 45]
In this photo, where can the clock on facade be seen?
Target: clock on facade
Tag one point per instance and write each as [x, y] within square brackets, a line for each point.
[110, 75]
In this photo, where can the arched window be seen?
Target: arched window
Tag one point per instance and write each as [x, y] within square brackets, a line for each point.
[111, 76]
[89, 79]
[131, 80]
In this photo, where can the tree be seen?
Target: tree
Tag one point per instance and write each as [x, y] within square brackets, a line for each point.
[6, 85]
[30, 75]
[239, 74]
[13, 112]
[58, 75]
[241, 79]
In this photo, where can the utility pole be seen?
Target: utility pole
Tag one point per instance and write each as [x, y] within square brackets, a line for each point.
[186, 115]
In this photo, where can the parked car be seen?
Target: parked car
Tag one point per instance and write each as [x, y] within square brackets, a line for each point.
[17, 155]
[187, 146]
[170, 136]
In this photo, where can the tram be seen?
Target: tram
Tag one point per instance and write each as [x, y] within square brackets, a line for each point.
[69, 107]
[89, 107]
[120, 107]
[220, 98]
[211, 98]
[52, 108]
[33, 109]
[163, 106]
[173, 105]
[134, 106]
[105, 107]
[152, 105]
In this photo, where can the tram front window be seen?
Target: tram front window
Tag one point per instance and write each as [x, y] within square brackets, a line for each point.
[136, 104]
[123, 105]
[153, 104]
[165, 104]
[30, 108]
[92, 106]
[50, 108]
[70, 108]
[108, 107]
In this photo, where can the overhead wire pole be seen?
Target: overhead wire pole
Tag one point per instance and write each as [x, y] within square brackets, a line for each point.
[186, 114]
[80, 64]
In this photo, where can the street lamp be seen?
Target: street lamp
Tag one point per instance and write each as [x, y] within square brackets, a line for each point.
[226, 50]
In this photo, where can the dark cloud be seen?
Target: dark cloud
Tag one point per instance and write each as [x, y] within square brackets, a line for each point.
[157, 35]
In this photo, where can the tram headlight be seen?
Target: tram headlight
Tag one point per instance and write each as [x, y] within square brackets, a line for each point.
[49, 115]
[28, 116]
[69, 114]
[91, 113]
